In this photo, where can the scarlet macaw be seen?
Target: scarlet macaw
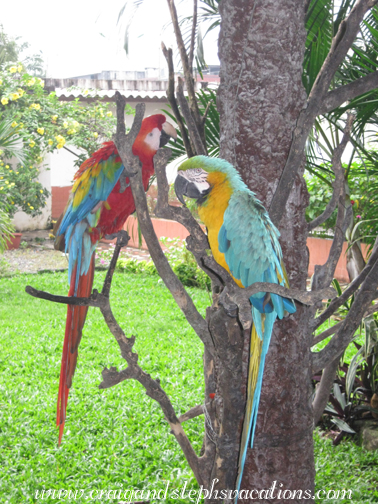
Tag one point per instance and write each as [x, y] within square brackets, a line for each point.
[97, 208]
[244, 241]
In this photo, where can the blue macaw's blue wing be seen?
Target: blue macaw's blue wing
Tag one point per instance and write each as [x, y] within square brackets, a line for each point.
[249, 241]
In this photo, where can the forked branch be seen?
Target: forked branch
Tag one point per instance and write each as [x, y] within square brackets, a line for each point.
[176, 288]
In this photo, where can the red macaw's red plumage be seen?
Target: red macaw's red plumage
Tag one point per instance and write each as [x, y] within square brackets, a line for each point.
[97, 208]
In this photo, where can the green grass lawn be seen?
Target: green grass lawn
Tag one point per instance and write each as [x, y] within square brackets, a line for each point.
[114, 438]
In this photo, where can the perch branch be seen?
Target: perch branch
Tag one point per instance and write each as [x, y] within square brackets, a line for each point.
[130, 162]
[339, 176]
[95, 299]
[173, 102]
[341, 43]
[176, 288]
[337, 302]
[122, 241]
[304, 297]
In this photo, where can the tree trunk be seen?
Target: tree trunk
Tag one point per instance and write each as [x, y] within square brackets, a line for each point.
[261, 48]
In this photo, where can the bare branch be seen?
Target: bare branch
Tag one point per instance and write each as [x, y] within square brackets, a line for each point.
[335, 328]
[185, 64]
[124, 147]
[71, 151]
[96, 300]
[336, 303]
[190, 121]
[362, 303]
[204, 117]
[192, 413]
[112, 377]
[341, 43]
[339, 176]
[323, 389]
[122, 241]
[324, 274]
[193, 36]
[340, 95]
[176, 288]
[172, 100]
[328, 332]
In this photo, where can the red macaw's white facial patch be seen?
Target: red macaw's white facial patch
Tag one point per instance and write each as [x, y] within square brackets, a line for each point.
[153, 139]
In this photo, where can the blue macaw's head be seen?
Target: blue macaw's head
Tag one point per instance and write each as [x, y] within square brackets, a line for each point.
[193, 177]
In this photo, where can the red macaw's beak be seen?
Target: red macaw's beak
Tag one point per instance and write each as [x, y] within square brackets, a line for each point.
[193, 184]
[167, 132]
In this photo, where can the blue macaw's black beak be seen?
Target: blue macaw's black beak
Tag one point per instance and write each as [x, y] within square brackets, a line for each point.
[192, 183]
[167, 132]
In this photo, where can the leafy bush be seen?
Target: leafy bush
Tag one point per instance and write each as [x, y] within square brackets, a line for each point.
[362, 179]
[134, 266]
[181, 260]
[184, 264]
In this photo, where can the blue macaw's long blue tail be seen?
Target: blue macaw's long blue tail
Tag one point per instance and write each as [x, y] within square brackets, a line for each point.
[265, 309]
[258, 349]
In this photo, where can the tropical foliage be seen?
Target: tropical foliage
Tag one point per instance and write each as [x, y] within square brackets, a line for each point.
[33, 123]
[363, 195]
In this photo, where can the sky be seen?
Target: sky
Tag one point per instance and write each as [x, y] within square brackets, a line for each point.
[79, 37]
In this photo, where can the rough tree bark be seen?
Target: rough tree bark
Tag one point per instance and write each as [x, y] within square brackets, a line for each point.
[261, 47]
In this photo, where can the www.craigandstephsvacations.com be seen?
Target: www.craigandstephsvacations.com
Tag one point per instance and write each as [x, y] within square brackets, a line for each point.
[131, 496]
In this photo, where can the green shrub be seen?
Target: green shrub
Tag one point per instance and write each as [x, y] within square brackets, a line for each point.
[181, 260]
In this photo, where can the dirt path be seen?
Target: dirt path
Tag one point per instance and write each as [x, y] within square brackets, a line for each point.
[37, 254]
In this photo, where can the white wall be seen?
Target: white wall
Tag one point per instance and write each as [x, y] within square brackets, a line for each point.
[62, 166]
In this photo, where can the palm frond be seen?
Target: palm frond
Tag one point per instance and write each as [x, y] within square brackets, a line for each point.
[10, 142]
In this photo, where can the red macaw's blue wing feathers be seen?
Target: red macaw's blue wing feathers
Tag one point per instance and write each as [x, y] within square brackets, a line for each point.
[249, 241]
[93, 183]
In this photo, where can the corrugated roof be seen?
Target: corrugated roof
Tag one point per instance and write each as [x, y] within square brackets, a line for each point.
[108, 95]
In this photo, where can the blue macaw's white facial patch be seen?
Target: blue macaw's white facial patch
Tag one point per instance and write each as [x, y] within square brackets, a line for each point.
[198, 177]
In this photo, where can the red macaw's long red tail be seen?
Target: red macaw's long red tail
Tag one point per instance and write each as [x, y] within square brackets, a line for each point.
[74, 325]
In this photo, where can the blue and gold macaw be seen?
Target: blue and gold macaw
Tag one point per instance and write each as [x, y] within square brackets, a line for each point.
[244, 241]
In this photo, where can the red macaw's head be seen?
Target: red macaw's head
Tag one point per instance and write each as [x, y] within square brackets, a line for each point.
[154, 133]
